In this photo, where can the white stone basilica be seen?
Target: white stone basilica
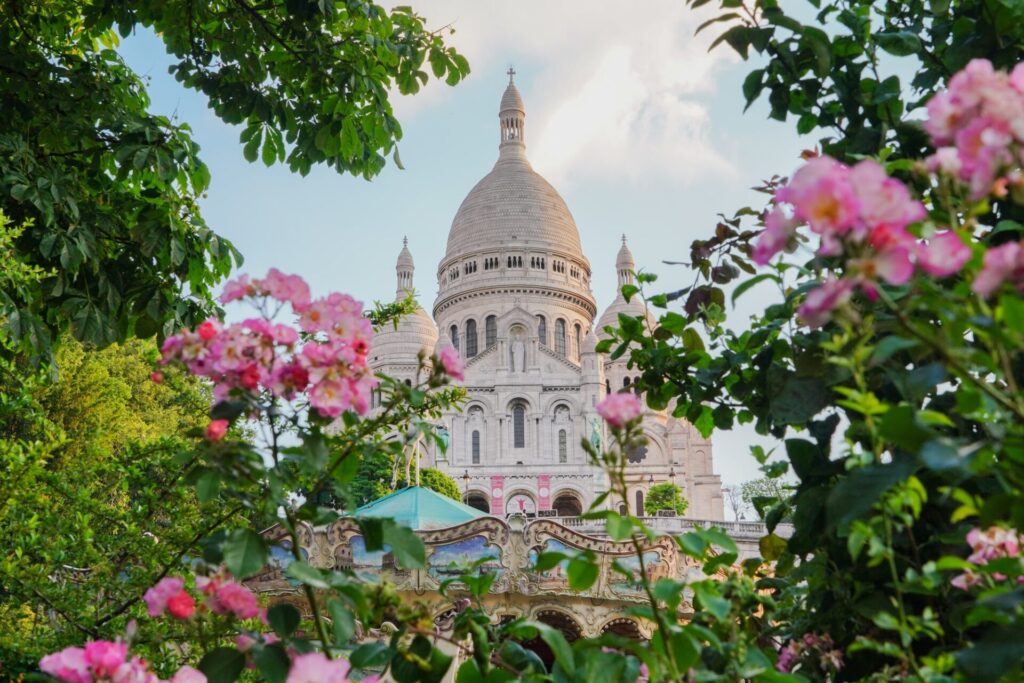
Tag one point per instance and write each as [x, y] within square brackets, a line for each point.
[514, 298]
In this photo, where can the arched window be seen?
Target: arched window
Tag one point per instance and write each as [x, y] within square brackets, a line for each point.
[639, 503]
[563, 447]
[560, 337]
[519, 425]
[542, 330]
[454, 335]
[470, 338]
[579, 340]
[490, 331]
[607, 386]
[476, 447]
[625, 382]
[408, 382]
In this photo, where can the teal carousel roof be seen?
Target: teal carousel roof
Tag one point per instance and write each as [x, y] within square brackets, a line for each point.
[420, 508]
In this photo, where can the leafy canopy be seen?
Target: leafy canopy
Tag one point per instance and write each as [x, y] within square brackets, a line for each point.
[108, 193]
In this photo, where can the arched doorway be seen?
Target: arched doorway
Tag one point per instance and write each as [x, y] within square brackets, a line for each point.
[564, 623]
[567, 505]
[475, 499]
[624, 628]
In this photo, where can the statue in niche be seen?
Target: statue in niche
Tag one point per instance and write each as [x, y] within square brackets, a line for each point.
[517, 350]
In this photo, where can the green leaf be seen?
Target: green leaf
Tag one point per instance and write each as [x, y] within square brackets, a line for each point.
[558, 644]
[619, 527]
[711, 601]
[860, 490]
[407, 547]
[999, 652]
[207, 486]
[343, 621]
[744, 286]
[369, 655]
[311, 576]
[222, 665]
[582, 573]
[284, 619]
[771, 547]
[244, 552]
[272, 662]
[899, 43]
[548, 561]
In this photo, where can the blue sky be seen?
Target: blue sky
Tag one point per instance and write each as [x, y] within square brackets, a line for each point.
[628, 115]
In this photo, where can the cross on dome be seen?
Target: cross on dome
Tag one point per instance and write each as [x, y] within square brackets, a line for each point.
[511, 74]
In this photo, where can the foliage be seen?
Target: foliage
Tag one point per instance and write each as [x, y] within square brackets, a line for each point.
[377, 471]
[95, 505]
[840, 71]
[761, 493]
[438, 481]
[665, 496]
[902, 327]
[107, 193]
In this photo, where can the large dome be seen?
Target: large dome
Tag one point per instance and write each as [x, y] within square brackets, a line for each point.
[513, 205]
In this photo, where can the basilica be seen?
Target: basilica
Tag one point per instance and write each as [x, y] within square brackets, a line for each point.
[514, 299]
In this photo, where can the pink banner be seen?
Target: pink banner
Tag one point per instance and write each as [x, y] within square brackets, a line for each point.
[544, 492]
[497, 495]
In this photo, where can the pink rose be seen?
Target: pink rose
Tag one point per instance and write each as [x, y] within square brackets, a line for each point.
[68, 665]
[452, 364]
[943, 255]
[816, 310]
[822, 195]
[156, 597]
[778, 230]
[156, 377]
[208, 330]
[237, 599]
[105, 657]
[216, 430]
[620, 409]
[181, 606]
[187, 674]
[316, 668]
[1000, 263]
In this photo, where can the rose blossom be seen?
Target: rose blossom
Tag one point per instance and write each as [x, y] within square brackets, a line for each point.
[234, 598]
[216, 430]
[816, 310]
[778, 229]
[316, 668]
[181, 606]
[619, 409]
[451, 363]
[105, 657]
[157, 597]
[1000, 263]
[68, 665]
[187, 674]
[943, 255]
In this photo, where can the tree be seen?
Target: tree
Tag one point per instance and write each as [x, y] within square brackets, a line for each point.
[107, 193]
[761, 494]
[665, 496]
[438, 481]
[95, 505]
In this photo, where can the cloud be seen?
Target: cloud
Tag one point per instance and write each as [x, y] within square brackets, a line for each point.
[612, 91]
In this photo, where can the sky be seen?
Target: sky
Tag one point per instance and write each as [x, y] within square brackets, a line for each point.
[628, 115]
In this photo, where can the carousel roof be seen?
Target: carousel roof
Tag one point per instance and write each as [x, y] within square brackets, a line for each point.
[420, 508]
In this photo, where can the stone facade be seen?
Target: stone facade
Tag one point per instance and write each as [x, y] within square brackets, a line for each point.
[514, 298]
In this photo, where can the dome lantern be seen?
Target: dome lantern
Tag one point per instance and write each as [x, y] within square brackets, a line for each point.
[512, 114]
[404, 269]
[625, 265]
